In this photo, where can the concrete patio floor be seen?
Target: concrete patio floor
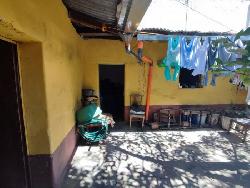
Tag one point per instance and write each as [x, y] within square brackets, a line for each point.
[177, 158]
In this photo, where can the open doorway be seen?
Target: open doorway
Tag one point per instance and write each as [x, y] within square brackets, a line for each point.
[13, 158]
[111, 85]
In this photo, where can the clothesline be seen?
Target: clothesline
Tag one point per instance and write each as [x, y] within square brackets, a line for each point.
[196, 56]
[161, 37]
[200, 13]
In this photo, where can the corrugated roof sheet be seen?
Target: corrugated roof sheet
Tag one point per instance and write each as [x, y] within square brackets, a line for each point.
[101, 10]
[196, 16]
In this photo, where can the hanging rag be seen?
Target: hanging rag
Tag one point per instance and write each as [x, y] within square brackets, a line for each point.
[211, 54]
[172, 60]
[235, 80]
[201, 58]
[188, 52]
[225, 56]
[214, 77]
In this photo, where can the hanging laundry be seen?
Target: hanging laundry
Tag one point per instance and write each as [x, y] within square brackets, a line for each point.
[214, 77]
[201, 58]
[172, 60]
[238, 45]
[211, 54]
[173, 51]
[235, 80]
[204, 80]
[188, 52]
[167, 74]
[225, 56]
[223, 53]
[241, 85]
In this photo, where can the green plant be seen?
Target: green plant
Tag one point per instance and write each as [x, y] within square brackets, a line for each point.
[244, 62]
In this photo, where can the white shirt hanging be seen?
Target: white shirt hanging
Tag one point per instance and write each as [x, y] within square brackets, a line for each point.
[201, 58]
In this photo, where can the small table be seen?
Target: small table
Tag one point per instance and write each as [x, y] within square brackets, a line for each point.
[244, 122]
[137, 117]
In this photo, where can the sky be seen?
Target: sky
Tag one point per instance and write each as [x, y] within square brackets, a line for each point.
[197, 15]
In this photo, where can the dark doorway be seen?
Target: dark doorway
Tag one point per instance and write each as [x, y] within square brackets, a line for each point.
[111, 80]
[13, 157]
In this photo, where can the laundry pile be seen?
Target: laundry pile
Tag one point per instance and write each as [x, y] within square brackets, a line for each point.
[199, 54]
[92, 124]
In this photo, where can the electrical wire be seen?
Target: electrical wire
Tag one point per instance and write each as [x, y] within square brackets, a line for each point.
[211, 19]
[186, 2]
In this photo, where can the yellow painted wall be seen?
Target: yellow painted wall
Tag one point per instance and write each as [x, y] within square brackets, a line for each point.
[50, 66]
[34, 97]
[163, 92]
[55, 63]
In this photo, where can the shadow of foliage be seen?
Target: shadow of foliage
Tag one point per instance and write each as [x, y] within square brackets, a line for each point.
[186, 158]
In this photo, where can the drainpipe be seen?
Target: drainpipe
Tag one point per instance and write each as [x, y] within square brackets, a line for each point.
[149, 61]
[131, 14]
[139, 50]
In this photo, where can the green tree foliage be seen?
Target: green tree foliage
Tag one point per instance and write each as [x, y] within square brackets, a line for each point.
[232, 46]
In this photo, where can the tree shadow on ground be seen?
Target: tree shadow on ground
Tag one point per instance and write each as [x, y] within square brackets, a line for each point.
[187, 158]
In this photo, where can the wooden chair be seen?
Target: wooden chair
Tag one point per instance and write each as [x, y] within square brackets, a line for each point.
[136, 102]
[134, 117]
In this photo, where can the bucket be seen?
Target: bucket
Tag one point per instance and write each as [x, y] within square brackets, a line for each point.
[155, 125]
[204, 117]
[185, 124]
[225, 122]
[214, 119]
[87, 92]
[195, 120]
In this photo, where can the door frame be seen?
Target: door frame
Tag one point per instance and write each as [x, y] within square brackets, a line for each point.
[15, 64]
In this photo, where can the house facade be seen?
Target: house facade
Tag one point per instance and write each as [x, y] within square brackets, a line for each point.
[55, 64]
